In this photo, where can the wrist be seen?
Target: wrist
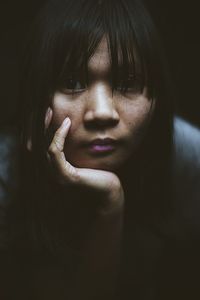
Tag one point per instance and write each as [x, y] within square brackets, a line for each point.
[113, 203]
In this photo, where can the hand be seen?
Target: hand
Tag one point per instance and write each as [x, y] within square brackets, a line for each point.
[105, 183]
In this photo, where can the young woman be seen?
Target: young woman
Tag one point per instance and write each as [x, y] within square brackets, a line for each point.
[94, 217]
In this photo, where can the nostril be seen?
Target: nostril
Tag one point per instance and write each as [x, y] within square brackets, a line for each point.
[100, 123]
[101, 111]
[102, 115]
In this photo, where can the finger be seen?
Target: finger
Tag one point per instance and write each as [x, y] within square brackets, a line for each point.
[48, 117]
[57, 144]
[100, 180]
[64, 168]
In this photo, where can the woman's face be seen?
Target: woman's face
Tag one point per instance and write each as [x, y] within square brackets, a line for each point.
[106, 128]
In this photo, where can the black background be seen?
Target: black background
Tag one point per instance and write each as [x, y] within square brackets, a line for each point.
[177, 21]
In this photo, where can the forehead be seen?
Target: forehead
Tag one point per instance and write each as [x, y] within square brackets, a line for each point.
[100, 61]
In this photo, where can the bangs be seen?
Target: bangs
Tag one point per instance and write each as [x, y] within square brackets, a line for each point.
[85, 25]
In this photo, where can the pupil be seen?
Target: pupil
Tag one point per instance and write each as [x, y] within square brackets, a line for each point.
[71, 84]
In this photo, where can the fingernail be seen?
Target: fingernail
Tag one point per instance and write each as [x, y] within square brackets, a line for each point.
[66, 121]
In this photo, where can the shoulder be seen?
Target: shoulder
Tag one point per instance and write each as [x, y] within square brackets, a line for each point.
[186, 171]
[186, 145]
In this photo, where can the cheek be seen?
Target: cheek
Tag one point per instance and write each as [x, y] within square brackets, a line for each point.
[137, 118]
[138, 114]
[62, 109]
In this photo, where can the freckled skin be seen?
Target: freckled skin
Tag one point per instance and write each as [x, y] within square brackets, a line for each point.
[95, 112]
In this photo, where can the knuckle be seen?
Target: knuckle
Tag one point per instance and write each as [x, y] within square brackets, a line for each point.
[57, 136]
[52, 149]
[113, 183]
[115, 188]
[58, 145]
[73, 175]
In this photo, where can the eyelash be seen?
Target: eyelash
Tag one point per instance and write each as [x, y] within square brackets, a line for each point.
[73, 85]
[131, 84]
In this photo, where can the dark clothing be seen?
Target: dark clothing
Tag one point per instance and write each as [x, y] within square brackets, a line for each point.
[158, 262]
[164, 262]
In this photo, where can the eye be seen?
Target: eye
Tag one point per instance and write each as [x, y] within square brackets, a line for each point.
[131, 84]
[73, 85]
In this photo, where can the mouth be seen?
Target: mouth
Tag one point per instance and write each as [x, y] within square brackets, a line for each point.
[102, 146]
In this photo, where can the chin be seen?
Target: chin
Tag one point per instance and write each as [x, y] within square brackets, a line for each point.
[106, 165]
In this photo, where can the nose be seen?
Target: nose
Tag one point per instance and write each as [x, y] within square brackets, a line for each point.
[100, 108]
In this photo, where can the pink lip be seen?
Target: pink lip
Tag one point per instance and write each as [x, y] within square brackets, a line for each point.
[102, 148]
[102, 145]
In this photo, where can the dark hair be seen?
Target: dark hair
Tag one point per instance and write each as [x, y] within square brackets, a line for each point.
[61, 41]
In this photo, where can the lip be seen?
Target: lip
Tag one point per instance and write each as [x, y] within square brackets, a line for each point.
[103, 141]
[102, 145]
